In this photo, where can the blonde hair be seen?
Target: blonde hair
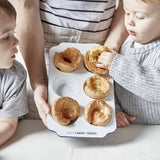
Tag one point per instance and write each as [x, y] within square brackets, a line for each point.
[150, 1]
[6, 8]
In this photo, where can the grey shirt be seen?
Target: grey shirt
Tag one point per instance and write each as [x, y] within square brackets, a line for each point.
[13, 98]
[136, 72]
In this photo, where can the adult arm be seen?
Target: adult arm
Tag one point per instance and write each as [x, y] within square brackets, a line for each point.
[7, 128]
[30, 34]
[117, 33]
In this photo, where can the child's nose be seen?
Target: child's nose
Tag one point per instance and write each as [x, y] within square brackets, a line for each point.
[131, 21]
[16, 42]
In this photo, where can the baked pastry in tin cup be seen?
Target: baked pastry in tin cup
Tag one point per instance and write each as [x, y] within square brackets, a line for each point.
[65, 110]
[91, 59]
[97, 86]
[68, 60]
[98, 113]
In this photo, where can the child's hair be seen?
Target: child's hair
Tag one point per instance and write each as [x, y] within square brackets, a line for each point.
[6, 8]
[150, 1]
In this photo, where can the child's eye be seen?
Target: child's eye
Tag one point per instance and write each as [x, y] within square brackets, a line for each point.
[6, 37]
[126, 13]
[139, 16]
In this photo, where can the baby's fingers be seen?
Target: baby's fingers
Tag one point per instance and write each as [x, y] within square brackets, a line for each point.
[130, 118]
[101, 65]
[122, 122]
[121, 119]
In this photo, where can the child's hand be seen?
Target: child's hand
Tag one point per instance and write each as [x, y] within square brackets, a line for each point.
[123, 119]
[106, 59]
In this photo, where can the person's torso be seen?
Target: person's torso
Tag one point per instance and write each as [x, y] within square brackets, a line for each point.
[10, 86]
[147, 112]
[76, 21]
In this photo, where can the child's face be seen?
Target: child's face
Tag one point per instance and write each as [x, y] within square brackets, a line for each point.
[8, 42]
[142, 20]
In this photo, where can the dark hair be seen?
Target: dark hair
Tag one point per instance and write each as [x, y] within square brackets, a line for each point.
[6, 8]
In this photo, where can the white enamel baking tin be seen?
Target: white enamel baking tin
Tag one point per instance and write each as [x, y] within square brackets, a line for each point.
[71, 85]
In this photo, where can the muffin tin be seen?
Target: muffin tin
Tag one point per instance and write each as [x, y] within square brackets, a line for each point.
[63, 84]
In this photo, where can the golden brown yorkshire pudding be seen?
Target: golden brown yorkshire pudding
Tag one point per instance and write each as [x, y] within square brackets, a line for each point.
[97, 113]
[97, 87]
[65, 110]
[91, 59]
[68, 60]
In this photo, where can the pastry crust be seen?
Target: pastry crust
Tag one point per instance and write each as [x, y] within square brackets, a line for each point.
[98, 113]
[68, 60]
[97, 87]
[65, 110]
[91, 59]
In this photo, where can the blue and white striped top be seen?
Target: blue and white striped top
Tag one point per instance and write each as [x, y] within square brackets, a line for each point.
[93, 16]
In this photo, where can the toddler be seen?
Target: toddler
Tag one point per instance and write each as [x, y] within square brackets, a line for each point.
[136, 69]
[13, 99]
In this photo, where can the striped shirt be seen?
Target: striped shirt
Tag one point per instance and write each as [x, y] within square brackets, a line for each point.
[136, 72]
[83, 15]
